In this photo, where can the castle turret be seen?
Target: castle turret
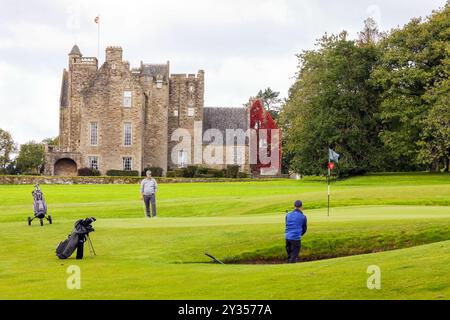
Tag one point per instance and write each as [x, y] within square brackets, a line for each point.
[113, 54]
[74, 55]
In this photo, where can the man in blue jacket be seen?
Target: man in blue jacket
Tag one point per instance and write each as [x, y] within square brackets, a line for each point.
[296, 226]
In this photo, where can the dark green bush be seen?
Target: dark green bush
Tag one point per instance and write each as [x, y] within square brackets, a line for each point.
[156, 171]
[200, 171]
[243, 175]
[122, 173]
[180, 172]
[88, 172]
[232, 171]
[216, 173]
[170, 174]
[190, 171]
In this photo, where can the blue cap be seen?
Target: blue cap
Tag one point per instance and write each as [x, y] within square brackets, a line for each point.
[298, 204]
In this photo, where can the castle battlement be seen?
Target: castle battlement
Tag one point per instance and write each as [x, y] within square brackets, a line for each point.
[114, 48]
[87, 60]
[187, 75]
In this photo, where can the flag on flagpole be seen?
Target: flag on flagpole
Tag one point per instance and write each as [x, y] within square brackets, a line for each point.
[333, 156]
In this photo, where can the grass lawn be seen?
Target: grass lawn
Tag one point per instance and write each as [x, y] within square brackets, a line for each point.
[399, 222]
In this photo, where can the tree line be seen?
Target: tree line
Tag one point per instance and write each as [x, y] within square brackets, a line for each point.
[29, 158]
[381, 101]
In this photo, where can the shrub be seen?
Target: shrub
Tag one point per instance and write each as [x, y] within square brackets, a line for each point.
[189, 171]
[216, 173]
[179, 172]
[122, 173]
[156, 171]
[170, 174]
[200, 171]
[232, 171]
[88, 172]
[243, 175]
[206, 175]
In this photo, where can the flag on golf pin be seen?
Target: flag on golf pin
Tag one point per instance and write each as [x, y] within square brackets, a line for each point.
[331, 165]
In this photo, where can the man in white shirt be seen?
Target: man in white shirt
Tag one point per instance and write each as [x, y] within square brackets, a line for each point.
[149, 187]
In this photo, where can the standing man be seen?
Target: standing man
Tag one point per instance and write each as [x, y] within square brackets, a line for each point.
[149, 187]
[296, 226]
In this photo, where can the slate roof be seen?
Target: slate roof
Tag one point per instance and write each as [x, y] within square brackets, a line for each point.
[64, 97]
[222, 118]
[153, 70]
[75, 50]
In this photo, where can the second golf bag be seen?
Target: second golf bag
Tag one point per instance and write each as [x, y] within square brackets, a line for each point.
[76, 239]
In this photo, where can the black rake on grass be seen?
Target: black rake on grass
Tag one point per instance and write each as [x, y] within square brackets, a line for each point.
[215, 260]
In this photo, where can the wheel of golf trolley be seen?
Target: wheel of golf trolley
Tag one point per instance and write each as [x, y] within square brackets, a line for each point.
[42, 222]
[29, 221]
[50, 219]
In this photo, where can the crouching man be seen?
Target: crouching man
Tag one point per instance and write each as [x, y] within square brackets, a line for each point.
[296, 225]
[149, 187]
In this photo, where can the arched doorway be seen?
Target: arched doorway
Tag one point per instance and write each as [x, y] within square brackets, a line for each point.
[65, 167]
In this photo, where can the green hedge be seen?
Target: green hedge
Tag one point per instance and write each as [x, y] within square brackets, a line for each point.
[122, 173]
[232, 171]
[156, 171]
[88, 172]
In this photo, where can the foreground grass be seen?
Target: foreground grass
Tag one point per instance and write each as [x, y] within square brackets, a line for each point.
[164, 258]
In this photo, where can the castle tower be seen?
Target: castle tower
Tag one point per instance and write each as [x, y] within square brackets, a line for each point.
[186, 96]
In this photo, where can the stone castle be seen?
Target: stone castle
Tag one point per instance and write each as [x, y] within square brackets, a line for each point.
[122, 118]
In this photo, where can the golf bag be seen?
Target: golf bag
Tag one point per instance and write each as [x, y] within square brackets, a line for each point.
[39, 207]
[76, 240]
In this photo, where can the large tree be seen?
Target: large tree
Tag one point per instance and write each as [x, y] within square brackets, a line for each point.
[332, 104]
[272, 101]
[434, 143]
[410, 73]
[30, 158]
[7, 148]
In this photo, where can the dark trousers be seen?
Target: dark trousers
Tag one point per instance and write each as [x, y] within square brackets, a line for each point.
[147, 200]
[293, 249]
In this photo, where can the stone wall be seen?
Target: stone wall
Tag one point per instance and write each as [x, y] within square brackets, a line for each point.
[18, 180]
[186, 91]
[103, 103]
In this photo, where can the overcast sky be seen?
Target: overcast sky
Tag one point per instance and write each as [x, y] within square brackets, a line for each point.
[242, 45]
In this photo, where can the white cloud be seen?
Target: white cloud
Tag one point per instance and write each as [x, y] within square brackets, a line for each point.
[28, 103]
[243, 45]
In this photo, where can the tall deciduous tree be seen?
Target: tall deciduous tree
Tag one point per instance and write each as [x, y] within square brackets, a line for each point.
[7, 148]
[272, 101]
[332, 104]
[31, 157]
[415, 62]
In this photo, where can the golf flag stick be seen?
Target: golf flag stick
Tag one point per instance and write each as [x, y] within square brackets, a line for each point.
[328, 186]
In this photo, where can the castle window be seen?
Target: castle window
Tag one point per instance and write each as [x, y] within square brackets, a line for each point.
[127, 99]
[191, 112]
[182, 159]
[175, 113]
[127, 163]
[159, 83]
[127, 129]
[94, 134]
[93, 162]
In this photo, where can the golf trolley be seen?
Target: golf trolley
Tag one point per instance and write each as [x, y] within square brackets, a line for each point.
[40, 207]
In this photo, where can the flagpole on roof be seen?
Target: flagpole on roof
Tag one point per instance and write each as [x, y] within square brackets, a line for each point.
[97, 21]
